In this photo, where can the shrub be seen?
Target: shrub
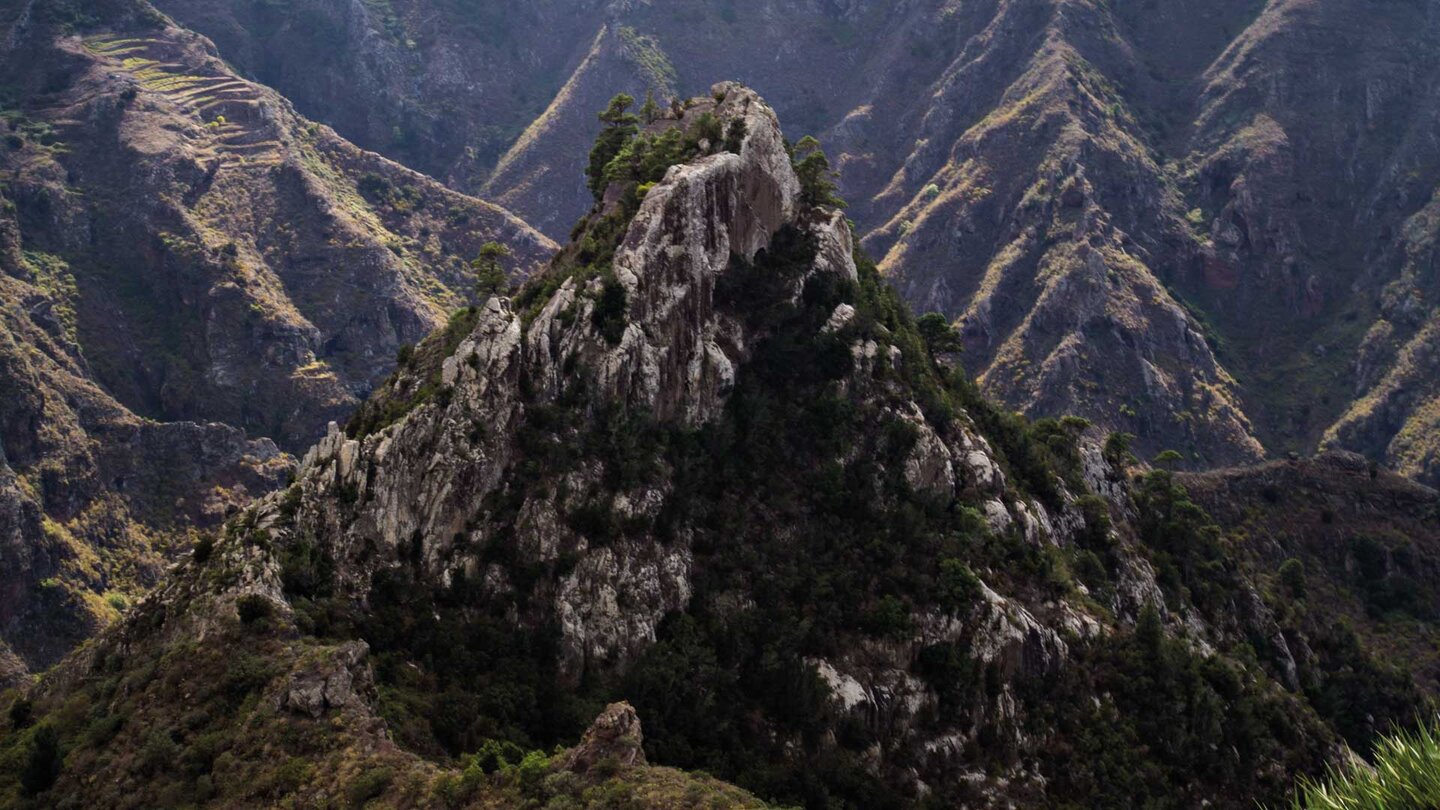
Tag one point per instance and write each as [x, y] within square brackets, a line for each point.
[159, 752]
[940, 337]
[531, 770]
[42, 762]
[1292, 575]
[369, 785]
[609, 315]
[204, 547]
[1168, 459]
[373, 187]
[1117, 450]
[890, 619]
[958, 587]
[21, 712]
[103, 729]
[306, 569]
[252, 608]
[496, 755]
[735, 136]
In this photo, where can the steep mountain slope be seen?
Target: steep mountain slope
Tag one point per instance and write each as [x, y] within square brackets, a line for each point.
[178, 248]
[443, 87]
[1159, 216]
[707, 462]
[1348, 555]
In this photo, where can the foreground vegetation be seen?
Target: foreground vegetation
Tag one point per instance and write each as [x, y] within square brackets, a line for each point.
[1404, 775]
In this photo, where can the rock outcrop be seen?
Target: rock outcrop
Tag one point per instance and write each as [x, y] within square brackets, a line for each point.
[341, 679]
[614, 737]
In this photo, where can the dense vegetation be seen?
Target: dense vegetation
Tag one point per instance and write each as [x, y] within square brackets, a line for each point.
[862, 553]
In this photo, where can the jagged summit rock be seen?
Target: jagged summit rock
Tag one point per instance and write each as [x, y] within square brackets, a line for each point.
[615, 736]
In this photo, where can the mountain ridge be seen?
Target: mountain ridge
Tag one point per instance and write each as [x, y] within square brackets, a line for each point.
[196, 280]
[1269, 294]
[709, 462]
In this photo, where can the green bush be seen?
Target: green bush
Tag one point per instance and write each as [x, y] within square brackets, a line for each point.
[369, 785]
[608, 316]
[159, 753]
[204, 547]
[958, 587]
[1292, 576]
[21, 713]
[43, 762]
[890, 618]
[252, 608]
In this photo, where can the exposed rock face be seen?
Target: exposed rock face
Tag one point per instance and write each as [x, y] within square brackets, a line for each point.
[675, 361]
[341, 680]
[614, 736]
[678, 245]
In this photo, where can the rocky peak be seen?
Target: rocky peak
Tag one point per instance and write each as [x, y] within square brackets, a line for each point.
[677, 354]
[615, 736]
[425, 479]
[507, 468]
[709, 464]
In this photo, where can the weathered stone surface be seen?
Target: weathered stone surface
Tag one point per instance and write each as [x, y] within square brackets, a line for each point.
[341, 678]
[615, 736]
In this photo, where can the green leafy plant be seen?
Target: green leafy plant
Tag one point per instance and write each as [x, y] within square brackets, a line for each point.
[1404, 775]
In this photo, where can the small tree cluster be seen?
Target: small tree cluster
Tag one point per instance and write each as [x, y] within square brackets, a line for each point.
[620, 127]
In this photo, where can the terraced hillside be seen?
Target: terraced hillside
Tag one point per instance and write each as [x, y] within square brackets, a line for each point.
[195, 280]
[240, 131]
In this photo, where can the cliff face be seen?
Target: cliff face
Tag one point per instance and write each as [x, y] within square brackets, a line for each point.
[1160, 217]
[185, 261]
[708, 463]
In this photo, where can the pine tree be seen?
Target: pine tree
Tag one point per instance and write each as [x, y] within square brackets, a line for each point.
[490, 270]
[620, 128]
[650, 111]
[817, 180]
